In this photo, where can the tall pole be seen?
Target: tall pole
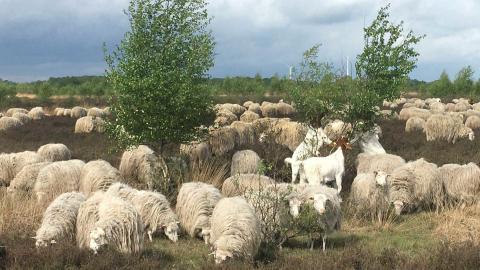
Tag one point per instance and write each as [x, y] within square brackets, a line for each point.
[348, 67]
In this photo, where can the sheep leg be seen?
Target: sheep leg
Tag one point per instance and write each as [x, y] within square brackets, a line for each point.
[294, 172]
[311, 243]
[338, 180]
[324, 240]
[149, 233]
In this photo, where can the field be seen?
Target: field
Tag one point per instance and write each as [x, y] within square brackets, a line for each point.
[426, 240]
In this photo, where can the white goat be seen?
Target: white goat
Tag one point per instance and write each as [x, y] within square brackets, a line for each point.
[310, 146]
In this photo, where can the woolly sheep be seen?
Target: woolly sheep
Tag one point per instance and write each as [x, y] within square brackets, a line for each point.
[247, 104]
[222, 140]
[461, 107]
[476, 106]
[369, 194]
[444, 127]
[269, 110]
[12, 164]
[473, 122]
[121, 190]
[249, 116]
[54, 152]
[59, 220]
[437, 107]
[196, 152]
[256, 108]
[415, 124]
[87, 217]
[245, 133]
[25, 119]
[7, 123]
[337, 129]
[288, 133]
[471, 113]
[141, 164]
[234, 108]
[450, 107]
[119, 226]
[95, 112]
[432, 100]
[24, 181]
[11, 111]
[195, 203]
[36, 113]
[235, 230]
[78, 112]
[407, 113]
[238, 184]
[225, 118]
[98, 175]
[89, 124]
[59, 111]
[57, 178]
[367, 163]
[461, 182]
[244, 162]
[284, 109]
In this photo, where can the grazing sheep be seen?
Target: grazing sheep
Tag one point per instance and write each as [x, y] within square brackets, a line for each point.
[288, 133]
[87, 217]
[195, 203]
[95, 112]
[141, 164]
[450, 107]
[337, 129]
[59, 220]
[107, 111]
[7, 123]
[67, 112]
[238, 184]
[247, 104]
[470, 113]
[98, 175]
[284, 109]
[437, 107]
[473, 122]
[415, 124]
[461, 182]
[225, 118]
[407, 113]
[432, 100]
[369, 194]
[249, 116]
[89, 124]
[119, 226]
[57, 178]
[12, 164]
[10, 112]
[78, 112]
[256, 108]
[244, 162]
[54, 152]
[319, 170]
[24, 181]
[235, 230]
[367, 163]
[476, 106]
[59, 112]
[196, 152]
[461, 107]
[234, 108]
[25, 119]
[269, 110]
[222, 140]
[245, 132]
[445, 127]
[36, 113]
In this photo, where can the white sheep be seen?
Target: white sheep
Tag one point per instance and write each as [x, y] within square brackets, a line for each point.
[195, 203]
[95, 112]
[369, 194]
[88, 124]
[461, 182]
[238, 184]
[36, 113]
[141, 164]
[78, 112]
[196, 152]
[415, 124]
[59, 220]
[244, 162]
[25, 180]
[368, 163]
[320, 170]
[446, 127]
[25, 119]
[11, 111]
[98, 175]
[314, 140]
[235, 230]
[54, 152]
[87, 217]
[337, 129]
[12, 164]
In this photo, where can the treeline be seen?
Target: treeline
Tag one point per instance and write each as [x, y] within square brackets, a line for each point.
[463, 84]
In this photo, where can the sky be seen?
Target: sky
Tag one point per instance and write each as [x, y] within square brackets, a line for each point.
[44, 38]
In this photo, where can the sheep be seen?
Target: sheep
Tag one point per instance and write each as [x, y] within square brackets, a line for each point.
[235, 230]
[249, 116]
[445, 127]
[461, 107]
[54, 152]
[12, 164]
[222, 140]
[78, 112]
[461, 182]
[59, 111]
[369, 194]
[368, 163]
[36, 113]
[406, 113]
[225, 118]
[12, 111]
[196, 152]
[245, 132]
[337, 129]
[238, 184]
[473, 122]
[141, 164]
[314, 140]
[59, 220]
[470, 113]
[121, 190]
[319, 170]
[119, 226]
[450, 107]
[7, 123]
[87, 217]
[57, 178]
[476, 106]
[98, 175]
[415, 124]
[432, 100]
[234, 108]
[95, 112]
[25, 119]
[195, 203]
[244, 162]
[24, 181]
[288, 133]
[247, 104]
[89, 124]
[437, 107]
[269, 110]
[256, 108]
[284, 110]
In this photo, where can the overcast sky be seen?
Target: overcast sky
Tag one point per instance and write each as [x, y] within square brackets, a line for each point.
[46, 38]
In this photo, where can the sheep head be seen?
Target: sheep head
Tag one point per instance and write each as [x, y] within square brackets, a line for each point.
[294, 206]
[399, 205]
[381, 178]
[319, 202]
[97, 239]
[222, 255]
[171, 231]
[39, 243]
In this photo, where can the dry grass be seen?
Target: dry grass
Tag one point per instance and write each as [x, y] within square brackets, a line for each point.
[460, 225]
[19, 214]
[213, 171]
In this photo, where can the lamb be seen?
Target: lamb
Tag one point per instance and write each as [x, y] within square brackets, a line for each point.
[36, 113]
[89, 124]
[319, 170]
[235, 231]
[368, 163]
[54, 152]
[238, 184]
[245, 162]
[141, 164]
[98, 175]
[310, 146]
[119, 226]
[415, 124]
[196, 152]
[78, 112]
[24, 181]
[57, 178]
[445, 127]
[25, 119]
[473, 122]
[461, 182]
[7, 123]
[59, 220]
[195, 203]
[12, 164]
[369, 194]
[95, 112]
[12, 111]
[249, 116]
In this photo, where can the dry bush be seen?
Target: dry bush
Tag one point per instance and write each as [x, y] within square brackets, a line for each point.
[460, 225]
[212, 171]
[19, 215]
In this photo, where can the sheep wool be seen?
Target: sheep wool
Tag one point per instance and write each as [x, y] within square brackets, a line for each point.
[249, 116]
[256, 108]
[288, 133]
[245, 162]
[284, 109]
[223, 140]
[473, 122]
[238, 184]
[367, 163]
[98, 175]
[59, 111]
[59, 220]
[445, 127]
[54, 152]
[415, 124]
[121, 190]
[246, 134]
[437, 107]
[461, 182]
[87, 217]
[24, 181]
[11, 111]
[407, 113]
[235, 231]
[89, 124]
[95, 112]
[196, 152]
[141, 164]
[7, 123]
[12, 164]
[25, 119]
[78, 112]
[368, 196]
[36, 113]
[195, 203]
